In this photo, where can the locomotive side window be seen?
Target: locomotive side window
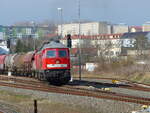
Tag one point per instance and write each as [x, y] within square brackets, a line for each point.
[62, 53]
[51, 54]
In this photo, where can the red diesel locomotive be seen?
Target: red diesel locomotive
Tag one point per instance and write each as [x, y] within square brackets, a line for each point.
[51, 63]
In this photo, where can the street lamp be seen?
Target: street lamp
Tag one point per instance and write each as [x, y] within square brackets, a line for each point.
[79, 22]
[60, 10]
[9, 40]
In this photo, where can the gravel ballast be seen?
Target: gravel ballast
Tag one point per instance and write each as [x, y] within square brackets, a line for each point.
[78, 104]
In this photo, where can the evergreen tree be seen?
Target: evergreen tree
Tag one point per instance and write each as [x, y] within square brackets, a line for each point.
[19, 46]
[22, 46]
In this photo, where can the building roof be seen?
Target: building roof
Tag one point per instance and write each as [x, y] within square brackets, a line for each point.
[51, 35]
[136, 27]
[133, 35]
[85, 22]
[102, 36]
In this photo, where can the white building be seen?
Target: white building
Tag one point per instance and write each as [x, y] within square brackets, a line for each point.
[3, 47]
[120, 28]
[108, 45]
[91, 28]
[2, 35]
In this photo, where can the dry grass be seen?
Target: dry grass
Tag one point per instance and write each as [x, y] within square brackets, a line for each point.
[141, 78]
[137, 77]
[103, 75]
[50, 107]
[24, 104]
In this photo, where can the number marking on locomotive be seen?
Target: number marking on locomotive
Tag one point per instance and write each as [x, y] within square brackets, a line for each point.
[56, 65]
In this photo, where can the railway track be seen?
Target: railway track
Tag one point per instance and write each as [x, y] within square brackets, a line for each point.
[122, 80]
[126, 84]
[70, 90]
[21, 80]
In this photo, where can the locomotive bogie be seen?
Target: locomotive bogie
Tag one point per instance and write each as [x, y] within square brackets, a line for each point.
[57, 77]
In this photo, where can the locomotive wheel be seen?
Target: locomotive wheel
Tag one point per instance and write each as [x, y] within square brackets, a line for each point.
[33, 74]
[42, 76]
[29, 75]
[39, 76]
[36, 75]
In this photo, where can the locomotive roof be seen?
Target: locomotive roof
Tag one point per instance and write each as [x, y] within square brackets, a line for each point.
[53, 44]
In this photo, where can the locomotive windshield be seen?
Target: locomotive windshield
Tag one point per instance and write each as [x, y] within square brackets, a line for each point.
[62, 53]
[51, 54]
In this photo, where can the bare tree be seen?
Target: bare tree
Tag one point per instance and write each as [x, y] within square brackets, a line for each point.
[104, 52]
[88, 51]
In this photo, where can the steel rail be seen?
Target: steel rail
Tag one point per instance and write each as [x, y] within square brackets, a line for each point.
[79, 92]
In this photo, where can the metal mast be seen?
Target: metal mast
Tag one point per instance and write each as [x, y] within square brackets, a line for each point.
[61, 20]
[79, 22]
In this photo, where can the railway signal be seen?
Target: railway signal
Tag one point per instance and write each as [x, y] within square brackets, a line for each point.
[69, 41]
[8, 43]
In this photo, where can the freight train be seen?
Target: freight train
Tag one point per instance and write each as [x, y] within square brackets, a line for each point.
[51, 63]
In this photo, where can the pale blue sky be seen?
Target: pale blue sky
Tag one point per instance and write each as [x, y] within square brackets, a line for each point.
[131, 12]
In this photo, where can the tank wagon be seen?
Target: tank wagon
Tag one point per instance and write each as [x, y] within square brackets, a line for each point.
[51, 63]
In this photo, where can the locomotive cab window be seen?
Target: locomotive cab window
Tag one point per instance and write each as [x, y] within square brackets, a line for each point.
[51, 54]
[62, 53]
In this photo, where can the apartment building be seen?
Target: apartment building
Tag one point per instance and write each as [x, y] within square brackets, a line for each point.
[120, 28]
[23, 31]
[91, 28]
